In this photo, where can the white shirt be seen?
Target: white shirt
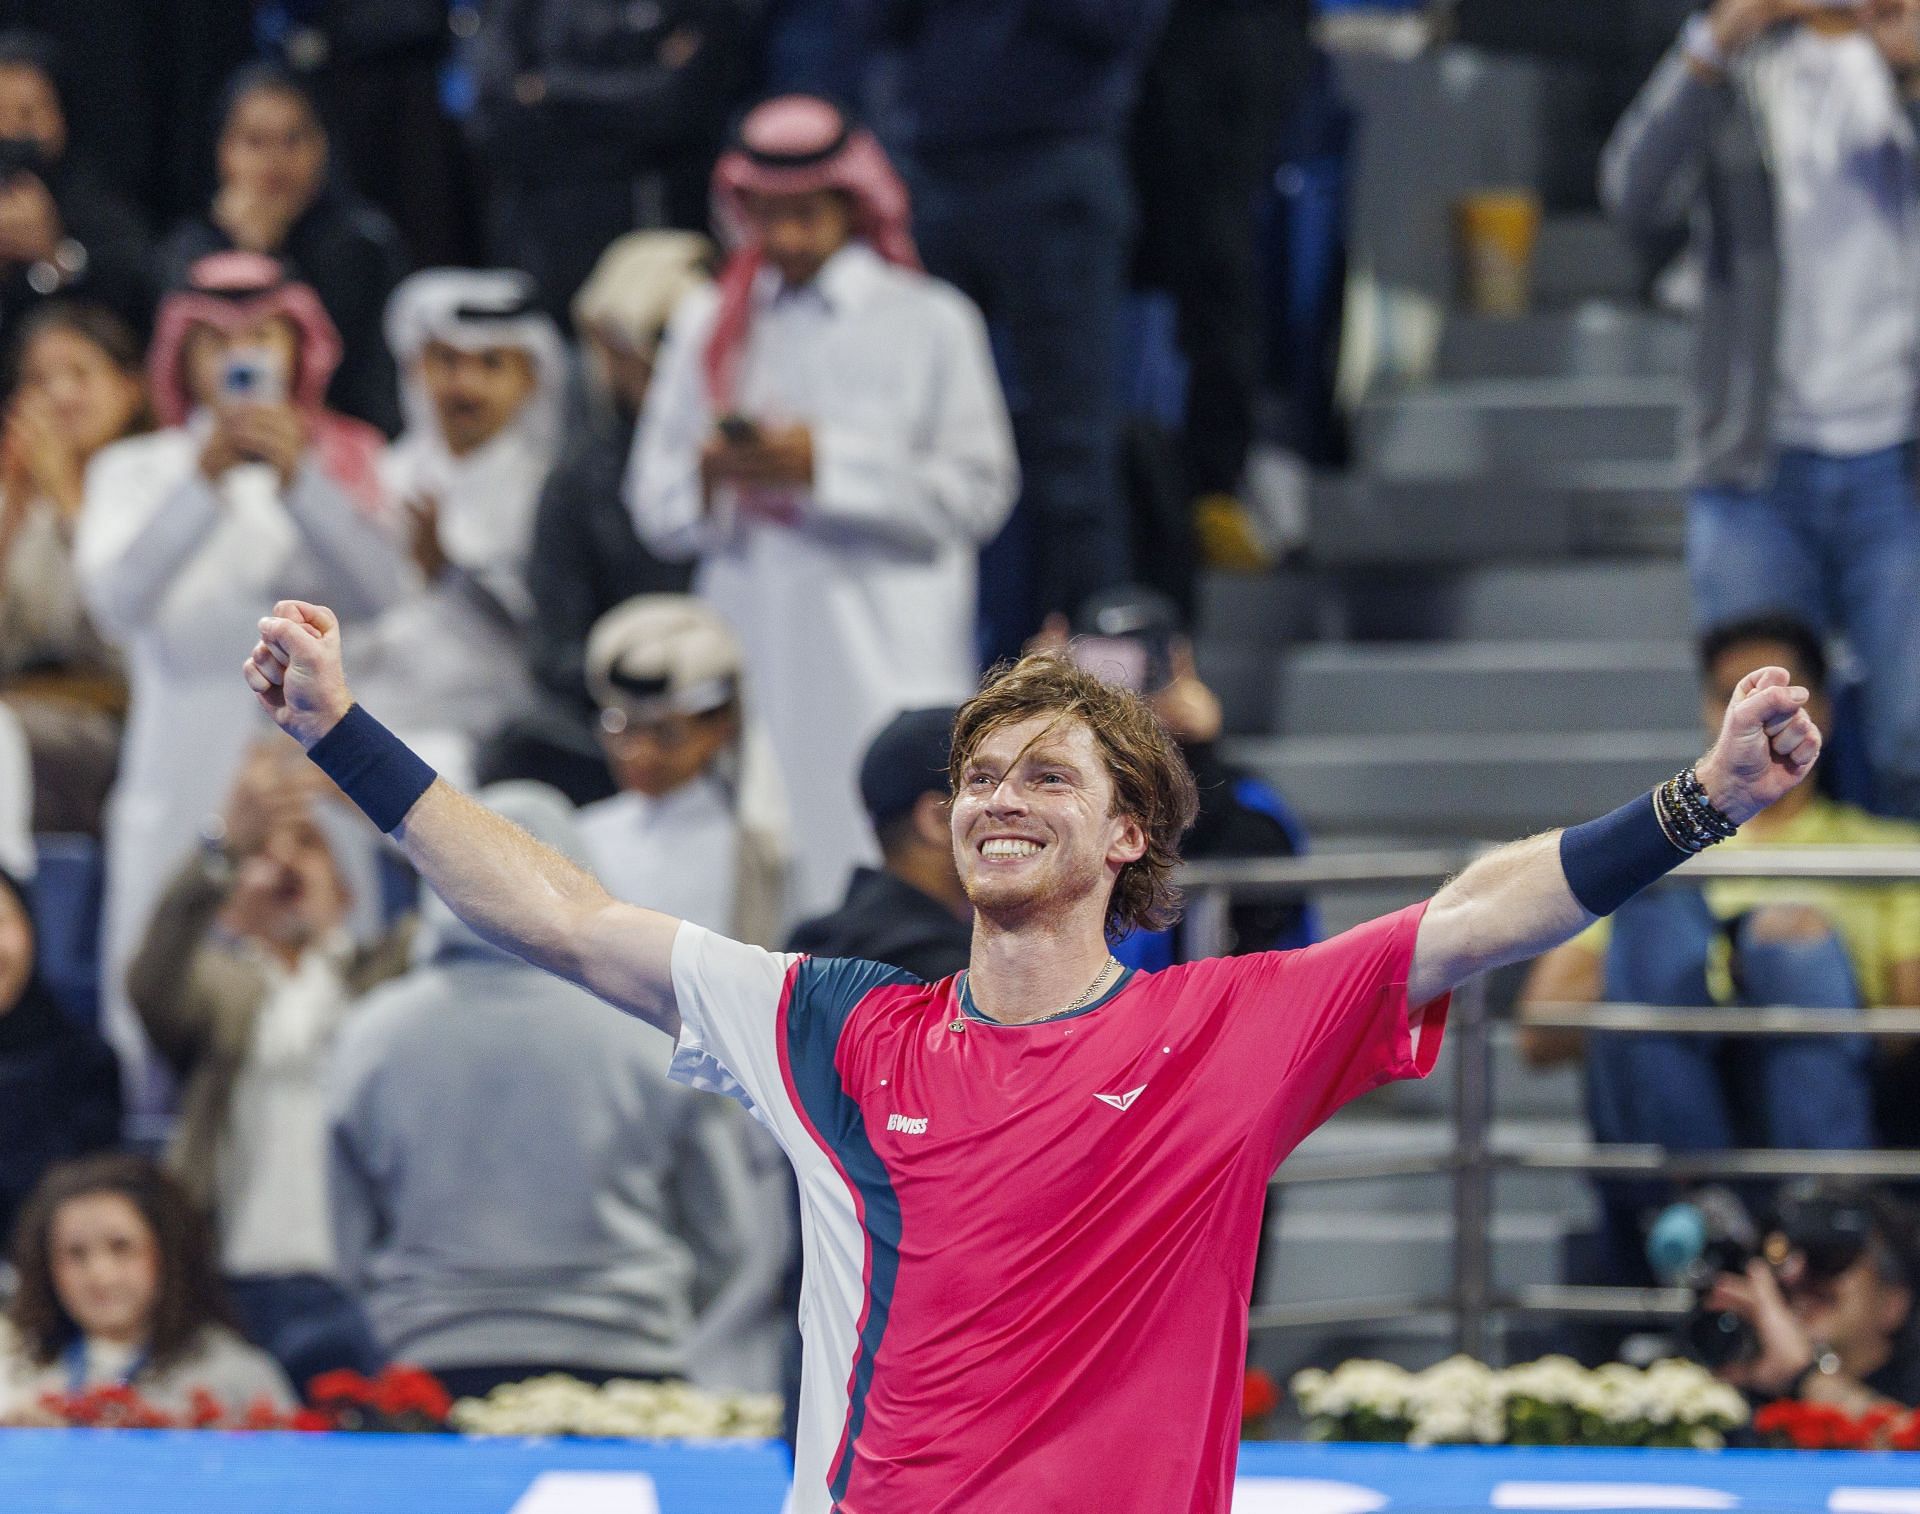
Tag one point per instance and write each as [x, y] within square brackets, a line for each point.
[1847, 190]
[863, 605]
[676, 854]
[270, 1171]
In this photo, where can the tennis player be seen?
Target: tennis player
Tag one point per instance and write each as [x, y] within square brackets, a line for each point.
[1032, 1191]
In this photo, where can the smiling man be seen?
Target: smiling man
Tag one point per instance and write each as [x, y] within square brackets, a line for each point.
[1032, 1190]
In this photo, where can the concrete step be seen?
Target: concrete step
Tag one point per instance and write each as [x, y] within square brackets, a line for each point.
[1611, 510]
[1599, 601]
[1462, 785]
[1597, 340]
[1527, 428]
[1584, 257]
[1482, 686]
[1358, 1132]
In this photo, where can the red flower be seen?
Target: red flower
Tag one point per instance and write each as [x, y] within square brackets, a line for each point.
[204, 1411]
[263, 1414]
[411, 1390]
[1258, 1395]
[341, 1386]
[310, 1420]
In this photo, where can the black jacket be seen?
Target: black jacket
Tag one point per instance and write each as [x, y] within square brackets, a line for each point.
[886, 919]
[352, 256]
[585, 559]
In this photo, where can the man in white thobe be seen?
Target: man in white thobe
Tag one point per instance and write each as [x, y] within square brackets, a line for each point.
[827, 435]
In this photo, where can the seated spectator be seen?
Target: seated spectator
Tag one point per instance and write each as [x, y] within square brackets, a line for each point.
[277, 195]
[566, 1209]
[63, 233]
[1134, 635]
[77, 388]
[1835, 1322]
[484, 379]
[117, 1287]
[910, 912]
[585, 557]
[246, 975]
[252, 493]
[827, 436]
[59, 1084]
[1835, 946]
[698, 827]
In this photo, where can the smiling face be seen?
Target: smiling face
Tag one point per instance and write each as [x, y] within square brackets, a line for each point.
[105, 1261]
[1034, 830]
[477, 392]
[93, 400]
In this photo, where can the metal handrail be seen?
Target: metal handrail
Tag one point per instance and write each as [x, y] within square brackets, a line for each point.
[1472, 1163]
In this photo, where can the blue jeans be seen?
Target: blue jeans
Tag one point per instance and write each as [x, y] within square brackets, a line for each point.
[1836, 542]
[1038, 235]
[306, 1323]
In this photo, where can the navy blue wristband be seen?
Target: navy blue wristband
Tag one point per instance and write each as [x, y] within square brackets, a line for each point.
[373, 767]
[1609, 860]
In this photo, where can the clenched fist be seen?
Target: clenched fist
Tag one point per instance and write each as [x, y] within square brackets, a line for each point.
[296, 673]
[1767, 745]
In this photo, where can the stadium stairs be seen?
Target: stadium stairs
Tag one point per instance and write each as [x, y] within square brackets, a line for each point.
[1488, 637]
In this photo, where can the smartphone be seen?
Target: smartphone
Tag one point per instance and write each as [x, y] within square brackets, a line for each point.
[738, 429]
[252, 374]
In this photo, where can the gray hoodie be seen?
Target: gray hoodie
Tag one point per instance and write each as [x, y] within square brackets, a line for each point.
[514, 1180]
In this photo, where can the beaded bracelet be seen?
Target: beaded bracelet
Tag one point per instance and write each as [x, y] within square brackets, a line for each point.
[1687, 816]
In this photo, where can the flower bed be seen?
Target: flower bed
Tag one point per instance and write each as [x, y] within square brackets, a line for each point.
[559, 1405]
[1551, 1402]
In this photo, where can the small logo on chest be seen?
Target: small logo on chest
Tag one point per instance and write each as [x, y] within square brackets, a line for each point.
[1122, 1101]
[907, 1124]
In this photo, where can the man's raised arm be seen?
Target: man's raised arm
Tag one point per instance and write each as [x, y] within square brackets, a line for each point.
[517, 893]
[1522, 899]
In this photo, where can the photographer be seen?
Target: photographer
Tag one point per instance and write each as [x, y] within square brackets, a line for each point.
[1829, 1301]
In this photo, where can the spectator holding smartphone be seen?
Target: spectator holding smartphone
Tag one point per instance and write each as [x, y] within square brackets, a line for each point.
[1785, 137]
[252, 490]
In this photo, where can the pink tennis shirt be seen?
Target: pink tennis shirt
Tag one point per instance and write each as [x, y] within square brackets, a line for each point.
[1028, 1249]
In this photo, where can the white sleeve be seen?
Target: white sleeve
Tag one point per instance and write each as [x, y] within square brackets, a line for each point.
[662, 485]
[729, 995]
[143, 519]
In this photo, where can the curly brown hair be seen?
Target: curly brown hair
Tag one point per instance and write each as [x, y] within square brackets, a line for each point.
[191, 1296]
[1151, 781]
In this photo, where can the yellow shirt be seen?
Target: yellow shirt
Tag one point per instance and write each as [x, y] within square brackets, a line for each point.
[1879, 923]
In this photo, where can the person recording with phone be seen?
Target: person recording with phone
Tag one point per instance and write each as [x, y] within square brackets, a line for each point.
[252, 486]
[1817, 1306]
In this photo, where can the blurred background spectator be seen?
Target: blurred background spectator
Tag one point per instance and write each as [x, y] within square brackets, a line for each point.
[826, 434]
[59, 1084]
[1014, 121]
[698, 827]
[253, 491]
[484, 376]
[1806, 224]
[615, 1207]
[596, 117]
[117, 1286]
[78, 386]
[910, 912]
[278, 194]
[1847, 948]
[62, 231]
[378, 69]
[586, 558]
[247, 972]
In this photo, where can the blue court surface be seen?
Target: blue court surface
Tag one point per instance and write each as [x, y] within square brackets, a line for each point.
[133, 1472]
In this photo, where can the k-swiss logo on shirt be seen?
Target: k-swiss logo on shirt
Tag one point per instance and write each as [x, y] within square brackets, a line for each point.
[1122, 1101]
[907, 1124]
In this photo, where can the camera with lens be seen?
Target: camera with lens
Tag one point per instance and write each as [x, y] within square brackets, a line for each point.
[1816, 1230]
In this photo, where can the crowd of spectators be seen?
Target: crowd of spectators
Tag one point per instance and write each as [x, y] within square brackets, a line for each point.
[675, 463]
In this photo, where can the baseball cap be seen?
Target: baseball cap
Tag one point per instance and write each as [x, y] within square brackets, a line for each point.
[907, 759]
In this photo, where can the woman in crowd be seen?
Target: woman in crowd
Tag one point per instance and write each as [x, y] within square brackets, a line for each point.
[117, 1287]
[59, 1085]
[253, 492]
[77, 388]
[277, 194]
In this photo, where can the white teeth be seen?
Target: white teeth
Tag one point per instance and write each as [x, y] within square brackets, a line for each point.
[1009, 848]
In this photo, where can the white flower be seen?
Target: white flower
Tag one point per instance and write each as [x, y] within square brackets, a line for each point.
[558, 1405]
